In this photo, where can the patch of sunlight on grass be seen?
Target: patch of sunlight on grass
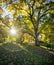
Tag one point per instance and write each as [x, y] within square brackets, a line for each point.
[23, 48]
[12, 47]
[45, 47]
[0, 44]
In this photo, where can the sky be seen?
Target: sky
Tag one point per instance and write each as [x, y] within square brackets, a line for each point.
[6, 12]
[52, 0]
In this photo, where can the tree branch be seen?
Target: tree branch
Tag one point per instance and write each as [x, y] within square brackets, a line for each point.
[45, 12]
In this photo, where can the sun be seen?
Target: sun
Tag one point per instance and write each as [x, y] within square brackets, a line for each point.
[13, 31]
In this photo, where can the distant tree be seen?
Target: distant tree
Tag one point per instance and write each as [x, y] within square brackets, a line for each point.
[3, 34]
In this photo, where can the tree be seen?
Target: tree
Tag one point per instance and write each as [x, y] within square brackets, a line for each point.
[36, 10]
[3, 33]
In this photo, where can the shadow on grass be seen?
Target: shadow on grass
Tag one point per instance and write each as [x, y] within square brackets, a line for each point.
[30, 55]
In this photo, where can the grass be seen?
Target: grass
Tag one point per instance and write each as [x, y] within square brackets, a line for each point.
[26, 55]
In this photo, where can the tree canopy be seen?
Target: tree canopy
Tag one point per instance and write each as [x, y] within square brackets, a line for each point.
[33, 17]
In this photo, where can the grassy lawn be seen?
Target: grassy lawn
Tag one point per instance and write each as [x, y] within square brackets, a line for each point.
[16, 54]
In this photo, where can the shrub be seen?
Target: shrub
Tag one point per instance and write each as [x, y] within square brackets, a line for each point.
[48, 45]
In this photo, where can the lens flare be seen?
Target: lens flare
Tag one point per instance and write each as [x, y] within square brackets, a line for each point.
[13, 32]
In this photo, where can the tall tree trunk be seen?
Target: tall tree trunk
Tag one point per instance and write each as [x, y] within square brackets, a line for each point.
[36, 37]
[36, 40]
[35, 24]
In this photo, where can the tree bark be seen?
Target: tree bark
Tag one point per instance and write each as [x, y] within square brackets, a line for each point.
[36, 36]
[35, 24]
